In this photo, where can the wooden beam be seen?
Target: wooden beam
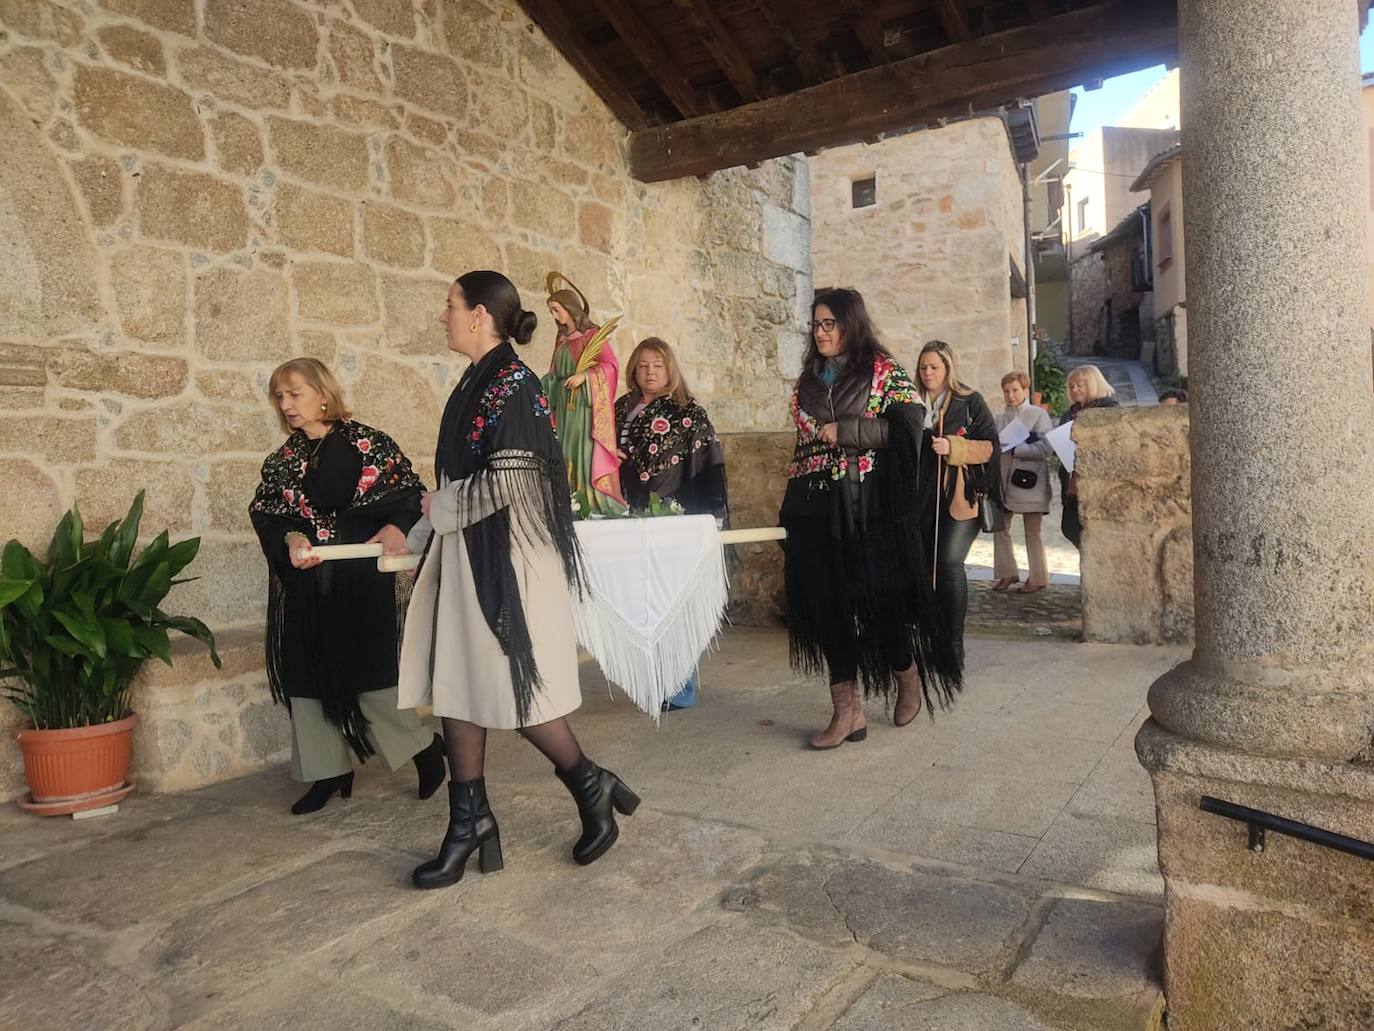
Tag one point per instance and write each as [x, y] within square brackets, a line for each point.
[1110, 38]
[802, 53]
[1039, 10]
[652, 55]
[952, 18]
[723, 47]
[868, 31]
[554, 22]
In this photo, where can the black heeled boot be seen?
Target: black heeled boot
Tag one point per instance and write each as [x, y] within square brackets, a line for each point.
[429, 764]
[597, 792]
[321, 792]
[470, 827]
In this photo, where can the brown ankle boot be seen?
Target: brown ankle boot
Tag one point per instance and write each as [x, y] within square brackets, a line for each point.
[908, 705]
[847, 723]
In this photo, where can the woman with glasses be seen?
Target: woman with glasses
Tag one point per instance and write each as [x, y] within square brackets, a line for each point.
[859, 598]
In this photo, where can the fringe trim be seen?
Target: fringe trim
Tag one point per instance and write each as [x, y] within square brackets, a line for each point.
[651, 668]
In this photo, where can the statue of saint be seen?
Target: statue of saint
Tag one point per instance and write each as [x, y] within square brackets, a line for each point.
[581, 387]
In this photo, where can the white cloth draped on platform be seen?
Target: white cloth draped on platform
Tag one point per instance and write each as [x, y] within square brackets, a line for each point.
[656, 597]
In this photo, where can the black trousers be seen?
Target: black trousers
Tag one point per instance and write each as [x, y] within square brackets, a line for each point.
[951, 582]
[841, 647]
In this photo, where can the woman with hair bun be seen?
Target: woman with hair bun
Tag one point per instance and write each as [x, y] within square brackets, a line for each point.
[489, 634]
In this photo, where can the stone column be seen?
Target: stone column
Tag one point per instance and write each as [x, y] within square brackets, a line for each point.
[1279, 695]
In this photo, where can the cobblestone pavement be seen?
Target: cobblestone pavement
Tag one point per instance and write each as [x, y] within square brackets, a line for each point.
[994, 869]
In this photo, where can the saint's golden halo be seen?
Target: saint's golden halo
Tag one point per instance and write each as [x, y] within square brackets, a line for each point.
[552, 277]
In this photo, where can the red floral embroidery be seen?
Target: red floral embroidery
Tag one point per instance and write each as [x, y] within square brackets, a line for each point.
[369, 476]
[865, 465]
[364, 445]
[660, 425]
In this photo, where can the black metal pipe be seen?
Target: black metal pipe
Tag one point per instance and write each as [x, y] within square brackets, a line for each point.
[1258, 820]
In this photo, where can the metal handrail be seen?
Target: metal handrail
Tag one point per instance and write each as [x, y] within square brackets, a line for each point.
[1258, 821]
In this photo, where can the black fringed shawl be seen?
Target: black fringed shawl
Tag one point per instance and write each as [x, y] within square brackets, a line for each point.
[674, 452]
[331, 630]
[497, 434]
[859, 558]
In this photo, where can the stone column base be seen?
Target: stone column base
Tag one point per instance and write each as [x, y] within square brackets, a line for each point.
[1278, 939]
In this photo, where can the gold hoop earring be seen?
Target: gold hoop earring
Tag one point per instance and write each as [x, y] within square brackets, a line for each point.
[324, 407]
[472, 328]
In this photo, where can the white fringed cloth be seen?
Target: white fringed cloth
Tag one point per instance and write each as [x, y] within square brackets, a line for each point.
[655, 601]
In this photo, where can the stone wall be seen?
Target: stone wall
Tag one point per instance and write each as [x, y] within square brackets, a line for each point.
[757, 464]
[1097, 279]
[1136, 503]
[192, 192]
[931, 257]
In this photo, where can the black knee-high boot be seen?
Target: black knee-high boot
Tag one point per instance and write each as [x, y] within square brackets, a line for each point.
[470, 826]
[597, 793]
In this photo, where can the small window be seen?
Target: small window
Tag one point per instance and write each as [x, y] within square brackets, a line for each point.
[865, 192]
[1083, 214]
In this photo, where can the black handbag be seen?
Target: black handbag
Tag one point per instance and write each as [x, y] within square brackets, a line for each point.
[1025, 479]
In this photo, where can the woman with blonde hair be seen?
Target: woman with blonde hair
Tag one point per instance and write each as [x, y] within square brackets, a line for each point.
[331, 628]
[960, 431]
[668, 446]
[668, 449]
[1025, 486]
[1087, 388]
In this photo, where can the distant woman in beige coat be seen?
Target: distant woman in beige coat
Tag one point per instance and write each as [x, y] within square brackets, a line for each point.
[489, 638]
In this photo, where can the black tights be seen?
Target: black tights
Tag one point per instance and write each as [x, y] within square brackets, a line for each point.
[466, 746]
[951, 582]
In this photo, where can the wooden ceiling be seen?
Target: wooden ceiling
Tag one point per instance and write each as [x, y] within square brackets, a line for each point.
[707, 84]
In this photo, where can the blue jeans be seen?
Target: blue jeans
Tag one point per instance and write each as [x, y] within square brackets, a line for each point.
[687, 697]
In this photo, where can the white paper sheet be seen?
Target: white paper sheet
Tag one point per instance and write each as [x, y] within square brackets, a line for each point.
[1063, 444]
[1013, 434]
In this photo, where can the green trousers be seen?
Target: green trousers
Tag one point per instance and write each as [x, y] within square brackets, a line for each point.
[318, 748]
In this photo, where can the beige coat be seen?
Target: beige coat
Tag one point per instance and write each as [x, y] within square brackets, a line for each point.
[450, 659]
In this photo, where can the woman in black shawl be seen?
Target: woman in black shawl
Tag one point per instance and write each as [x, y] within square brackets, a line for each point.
[668, 449]
[489, 640]
[331, 628]
[859, 597]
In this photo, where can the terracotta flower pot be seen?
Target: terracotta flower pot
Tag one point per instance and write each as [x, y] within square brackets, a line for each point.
[68, 768]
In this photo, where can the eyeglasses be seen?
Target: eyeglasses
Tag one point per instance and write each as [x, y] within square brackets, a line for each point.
[826, 324]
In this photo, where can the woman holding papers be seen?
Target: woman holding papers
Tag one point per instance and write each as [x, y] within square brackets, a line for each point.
[1025, 483]
[331, 629]
[489, 634]
[961, 436]
[1087, 388]
[859, 598]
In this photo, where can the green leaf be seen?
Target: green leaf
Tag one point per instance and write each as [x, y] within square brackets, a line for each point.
[154, 642]
[12, 590]
[89, 634]
[181, 554]
[65, 548]
[123, 545]
[119, 637]
[192, 627]
[66, 646]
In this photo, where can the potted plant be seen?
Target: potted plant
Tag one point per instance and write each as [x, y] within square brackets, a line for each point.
[74, 630]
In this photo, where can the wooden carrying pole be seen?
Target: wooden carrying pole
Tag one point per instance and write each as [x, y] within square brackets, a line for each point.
[400, 563]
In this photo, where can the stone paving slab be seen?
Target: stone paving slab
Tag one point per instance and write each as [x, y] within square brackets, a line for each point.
[726, 976]
[895, 1003]
[760, 885]
[304, 1003]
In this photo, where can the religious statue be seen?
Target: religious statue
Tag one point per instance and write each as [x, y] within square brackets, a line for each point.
[581, 387]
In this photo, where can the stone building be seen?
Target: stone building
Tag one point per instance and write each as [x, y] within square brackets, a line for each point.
[1113, 307]
[187, 199]
[1167, 354]
[929, 226]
